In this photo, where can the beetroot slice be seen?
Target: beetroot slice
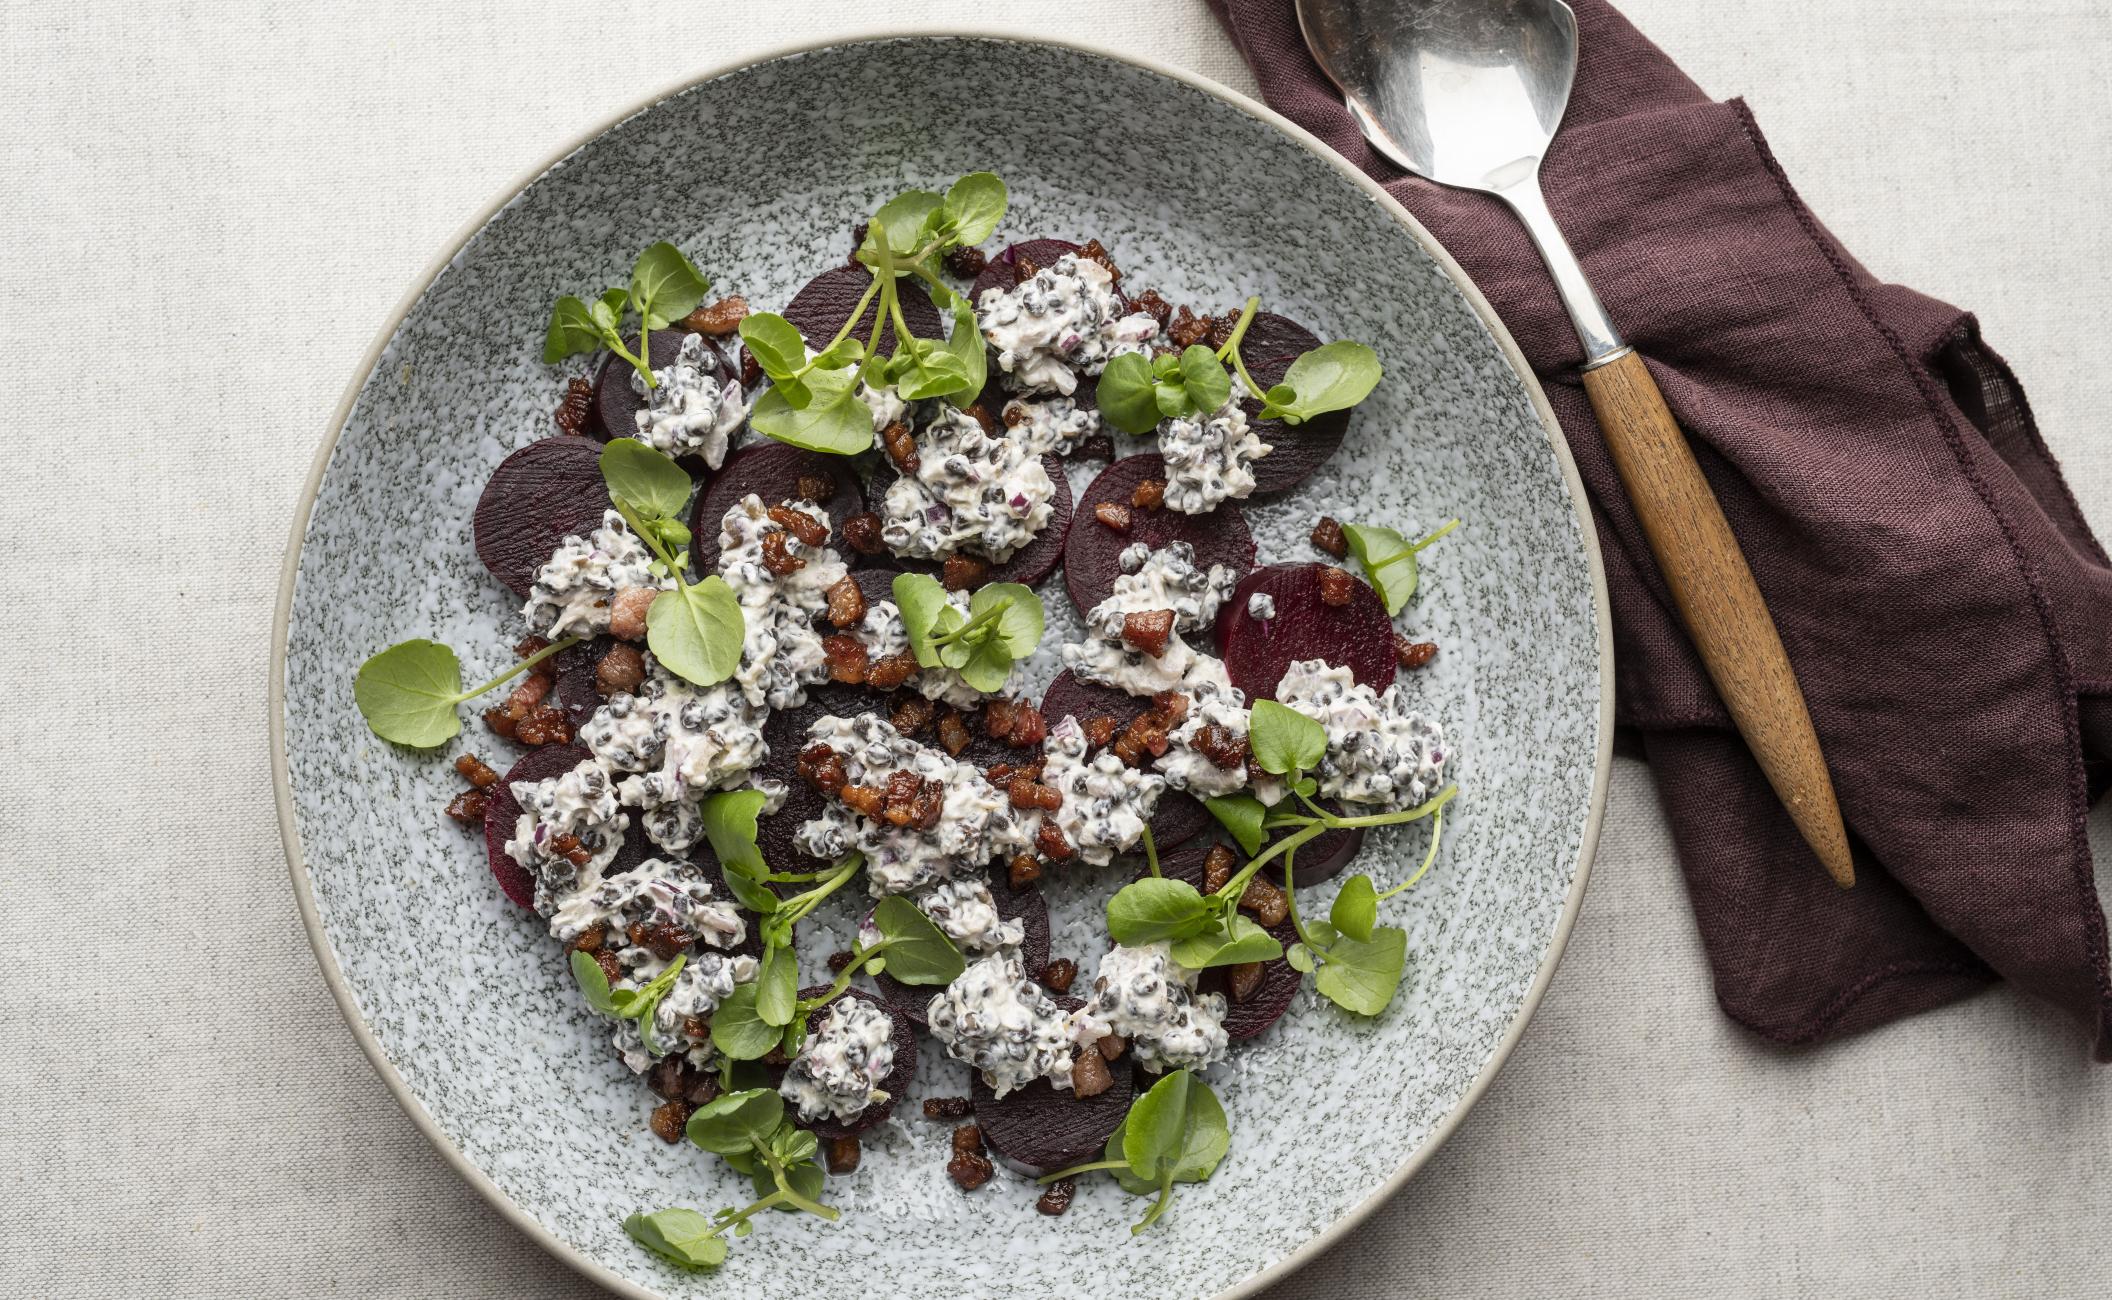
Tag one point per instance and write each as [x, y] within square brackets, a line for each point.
[903, 1039]
[503, 810]
[772, 471]
[1030, 563]
[1271, 344]
[1279, 983]
[538, 496]
[578, 689]
[1024, 904]
[820, 309]
[616, 403]
[1037, 1129]
[1092, 554]
[1358, 635]
[1180, 816]
[786, 734]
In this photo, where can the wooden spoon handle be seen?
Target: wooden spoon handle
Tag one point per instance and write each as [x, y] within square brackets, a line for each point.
[1718, 600]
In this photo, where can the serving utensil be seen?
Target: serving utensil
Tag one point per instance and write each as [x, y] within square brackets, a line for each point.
[1469, 93]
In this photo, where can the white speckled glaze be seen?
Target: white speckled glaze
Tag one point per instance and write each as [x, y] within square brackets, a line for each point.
[462, 1002]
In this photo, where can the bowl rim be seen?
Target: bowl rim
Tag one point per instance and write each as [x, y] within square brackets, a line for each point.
[275, 702]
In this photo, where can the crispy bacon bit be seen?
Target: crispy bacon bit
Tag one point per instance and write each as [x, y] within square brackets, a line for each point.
[1049, 839]
[947, 1107]
[1023, 870]
[1143, 739]
[1243, 981]
[576, 411]
[1058, 975]
[1337, 587]
[842, 1153]
[1221, 328]
[1015, 722]
[568, 847]
[1153, 305]
[1148, 495]
[1057, 1196]
[1266, 901]
[818, 488]
[675, 1079]
[669, 1120]
[1099, 729]
[606, 959]
[861, 532]
[1112, 1047]
[901, 795]
[1089, 1075]
[1218, 865]
[966, 262]
[663, 941]
[620, 671]
[891, 672]
[901, 446]
[1025, 792]
[960, 572]
[1221, 745]
[1148, 630]
[846, 658]
[953, 732]
[1327, 535]
[982, 416]
[969, 1168]
[846, 602]
[476, 771]
[547, 725]
[968, 1140]
[627, 612]
[1024, 268]
[809, 530]
[666, 1078]
[719, 319]
[930, 805]
[507, 718]
[1413, 654]
[778, 556]
[912, 714]
[590, 940]
[1015, 414]
[1094, 251]
[822, 768]
[1187, 329]
[468, 807]
[1113, 514]
[751, 370]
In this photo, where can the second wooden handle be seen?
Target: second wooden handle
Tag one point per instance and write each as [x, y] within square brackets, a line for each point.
[1718, 600]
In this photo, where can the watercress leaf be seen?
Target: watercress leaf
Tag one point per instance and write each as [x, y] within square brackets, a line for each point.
[679, 1236]
[1155, 910]
[777, 986]
[572, 330]
[696, 631]
[729, 823]
[1023, 620]
[1321, 935]
[743, 1162]
[1166, 367]
[922, 601]
[646, 480]
[736, 1028]
[734, 1122]
[833, 421]
[843, 353]
[1239, 940]
[1362, 976]
[1305, 785]
[794, 1037]
[1331, 377]
[593, 984]
[1203, 375]
[964, 341]
[1171, 397]
[794, 1144]
[1127, 397]
[1388, 562]
[805, 1179]
[986, 666]
[1204, 1138]
[1300, 957]
[408, 692]
[775, 343]
[1176, 1128]
[1284, 740]
[1123, 1176]
[930, 369]
[607, 312]
[1240, 814]
[751, 894]
[902, 219]
[918, 951]
[976, 203]
[1356, 909]
[665, 285]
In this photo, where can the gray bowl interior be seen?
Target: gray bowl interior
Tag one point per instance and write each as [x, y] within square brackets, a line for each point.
[758, 174]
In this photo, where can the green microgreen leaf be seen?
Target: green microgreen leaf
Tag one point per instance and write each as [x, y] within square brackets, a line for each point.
[1155, 910]
[573, 329]
[1020, 618]
[729, 824]
[680, 1236]
[1175, 1133]
[648, 481]
[607, 313]
[665, 285]
[696, 631]
[974, 204]
[593, 984]
[736, 1028]
[924, 368]
[735, 1122]
[964, 342]
[918, 951]
[1284, 740]
[1362, 976]
[1300, 957]
[1127, 396]
[1356, 908]
[923, 603]
[1241, 814]
[777, 986]
[833, 421]
[1204, 378]
[1238, 940]
[1388, 561]
[775, 343]
[1331, 377]
[901, 220]
[408, 692]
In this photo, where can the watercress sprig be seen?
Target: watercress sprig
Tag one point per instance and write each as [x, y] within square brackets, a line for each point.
[1003, 625]
[408, 692]
[813, 400]
[1175, 1133]
[697, 630]
[665, 286]
[1388, 560]
[1137, 392]
[749, 1131]
[625, 1004]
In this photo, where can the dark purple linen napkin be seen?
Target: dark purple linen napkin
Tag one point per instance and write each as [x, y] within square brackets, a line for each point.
[1946, 608]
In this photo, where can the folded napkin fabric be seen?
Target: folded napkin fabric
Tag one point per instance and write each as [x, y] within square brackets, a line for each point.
[1946, 608]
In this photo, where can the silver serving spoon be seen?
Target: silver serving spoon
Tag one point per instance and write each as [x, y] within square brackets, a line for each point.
[1469, 93]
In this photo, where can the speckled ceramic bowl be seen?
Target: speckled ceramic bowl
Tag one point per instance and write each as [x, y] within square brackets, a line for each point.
[464, 1005]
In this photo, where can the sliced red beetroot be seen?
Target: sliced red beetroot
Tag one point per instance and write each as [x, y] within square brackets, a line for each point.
[538, 496]
[1037, 1129]
[1279, 983]
[820, 309]
[1180, 817]
[786, 734]
[1092, 554]
[1025, 905]
[1357, 635]
[1271, 344]
[503, 810]
[1030, 563]
[616, 403]
[1002, 271]
[772, 471]
[578, 689]
[903, 1039]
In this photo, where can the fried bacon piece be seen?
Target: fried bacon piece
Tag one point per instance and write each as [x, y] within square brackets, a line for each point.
[1266, 901]
[620, 671]
[846, 602]
[1113, 514]
[1327, 535]
[778, 556]
[468, 807]
[1218, 865]
[809, 530]
[1023, 870]
[913, 714]
[1015, 722]
[1025, 792]
[861, 532]
[1413, 654]
[846, 657]
[1049, 839]
[1148, 630]
[953, 732]
[888, 673]
[960, 572]
[476, 771]
[719, 319]
[822, 768]
[1058, 975]
[901, 446]
[1337, 587]
[1089, 1075]
[1148, 495]
[576, 411]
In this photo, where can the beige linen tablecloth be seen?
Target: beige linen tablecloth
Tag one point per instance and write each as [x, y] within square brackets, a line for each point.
[207, 208]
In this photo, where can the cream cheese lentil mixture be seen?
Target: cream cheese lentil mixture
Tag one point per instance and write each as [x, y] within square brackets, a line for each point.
[780, 648]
